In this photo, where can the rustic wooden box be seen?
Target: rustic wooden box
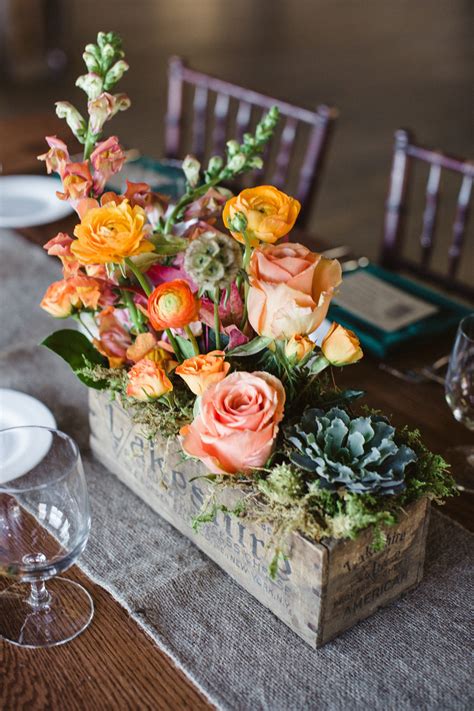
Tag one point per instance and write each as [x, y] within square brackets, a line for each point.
[320, 591]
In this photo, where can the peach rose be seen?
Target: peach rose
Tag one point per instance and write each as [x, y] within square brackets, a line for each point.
[147, 381]
[236, 428]
[60, 299]
[202, 371]
[290, 289]
[110, 234]
[341, 346]
[298, 347]
[172, 305]
[270, 213]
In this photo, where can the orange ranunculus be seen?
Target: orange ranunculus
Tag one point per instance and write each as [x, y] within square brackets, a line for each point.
[237, 424]
[110, 234]
[201, 371]
[60, 299]
[147, 381]
[113, 339]
[270, 213]
[172, 305]
[341, 346]
[77, 182]
[146, 346]
[298, 347]
[60, 246]
[290, 289]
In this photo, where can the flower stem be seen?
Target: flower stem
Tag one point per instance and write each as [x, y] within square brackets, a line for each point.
[77, 317]
[192, 338]
[217, 323]
[174, 344]
[140, 277]
[186, 200]
[135, 314]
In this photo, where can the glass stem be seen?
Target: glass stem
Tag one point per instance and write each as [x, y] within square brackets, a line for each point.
[39, 597]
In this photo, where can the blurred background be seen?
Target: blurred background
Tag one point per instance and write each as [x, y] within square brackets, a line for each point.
[383, 64]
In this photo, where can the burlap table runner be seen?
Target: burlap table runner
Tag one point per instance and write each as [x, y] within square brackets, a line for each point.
[411, 655]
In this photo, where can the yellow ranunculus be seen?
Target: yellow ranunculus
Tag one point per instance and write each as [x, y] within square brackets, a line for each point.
[110, 234]
[341, 346]
[270, 213]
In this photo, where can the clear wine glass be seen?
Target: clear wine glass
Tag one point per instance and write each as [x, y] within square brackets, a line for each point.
[44, 526]
[459, 389]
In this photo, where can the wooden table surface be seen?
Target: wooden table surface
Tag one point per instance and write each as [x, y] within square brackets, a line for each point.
[114, 664]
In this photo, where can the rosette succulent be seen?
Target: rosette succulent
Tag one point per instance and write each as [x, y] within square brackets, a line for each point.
[359, 454]
[213, 260]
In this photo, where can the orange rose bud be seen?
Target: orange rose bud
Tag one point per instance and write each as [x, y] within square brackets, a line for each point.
[341, 346]
[172, 305]
[201, 371]
[147, 381]
[270, 214]
[298, 347]
[111, 233]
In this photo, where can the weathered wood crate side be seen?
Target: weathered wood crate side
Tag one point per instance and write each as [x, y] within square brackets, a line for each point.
[320, 590]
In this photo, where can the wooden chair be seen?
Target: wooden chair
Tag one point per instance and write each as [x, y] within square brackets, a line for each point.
[405, 153]
[212, 135]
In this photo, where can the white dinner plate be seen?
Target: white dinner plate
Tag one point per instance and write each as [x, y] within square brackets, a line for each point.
[30, 200]
[24, 449]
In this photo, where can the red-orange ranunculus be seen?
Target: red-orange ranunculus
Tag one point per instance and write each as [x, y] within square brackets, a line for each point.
[172, 305]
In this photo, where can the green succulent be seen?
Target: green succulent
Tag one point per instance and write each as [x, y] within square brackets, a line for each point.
[359, 454]
[213, 260]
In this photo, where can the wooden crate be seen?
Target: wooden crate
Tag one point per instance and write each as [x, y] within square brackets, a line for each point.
[320, 591]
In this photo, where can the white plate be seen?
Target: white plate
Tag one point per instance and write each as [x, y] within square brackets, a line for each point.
[22, 451]
[30, 200]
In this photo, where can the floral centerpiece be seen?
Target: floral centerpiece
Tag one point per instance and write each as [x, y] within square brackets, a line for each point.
[199, 317]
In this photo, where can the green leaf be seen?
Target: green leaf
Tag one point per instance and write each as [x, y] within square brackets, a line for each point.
[77, 351]
[185, 346]
[169, 245]
[251, 348]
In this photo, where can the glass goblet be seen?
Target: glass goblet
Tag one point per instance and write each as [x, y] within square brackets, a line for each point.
[44, 526]
[459, 389]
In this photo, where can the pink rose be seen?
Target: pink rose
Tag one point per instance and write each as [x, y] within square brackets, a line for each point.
[290, 289]
[236, 428]
[107, 159]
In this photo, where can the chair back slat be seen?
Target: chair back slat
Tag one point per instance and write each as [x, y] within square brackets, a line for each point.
[393, 222]
[459, 227]
[221, 115]
[316, 150]
[306, 165]
[242, 119]
[175, 107]
[405, 153]
[283, 158]
[430, 213]
[199, 122]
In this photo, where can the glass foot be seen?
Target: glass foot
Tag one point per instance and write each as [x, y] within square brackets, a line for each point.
[65, 613]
